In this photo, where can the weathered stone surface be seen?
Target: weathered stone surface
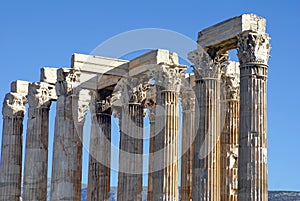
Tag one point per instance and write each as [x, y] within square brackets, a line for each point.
[165, 175]
[188, 134]
[230, 107]
[98, 65]
[131, 140]
[224, 35]
[100, 147]
[36, 157]
[151, 60]
[151, 114]
[72, 105]
[20, 87]
[228, 101]
[48, 75]
[11, 153]
[252, 169]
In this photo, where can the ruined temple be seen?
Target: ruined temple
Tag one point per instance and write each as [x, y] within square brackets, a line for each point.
[222, 105]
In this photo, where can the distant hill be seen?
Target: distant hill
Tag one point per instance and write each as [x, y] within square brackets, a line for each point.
[273, 195]
[284, 196]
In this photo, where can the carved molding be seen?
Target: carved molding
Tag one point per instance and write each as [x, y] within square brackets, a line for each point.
[67, 81]
[168, 78]
[39, 95]
[231, 81]
[82, 104]
[14, 105]
[232, 86]
[138, 94]
[205, 66]
[253, 48]
[131, 90]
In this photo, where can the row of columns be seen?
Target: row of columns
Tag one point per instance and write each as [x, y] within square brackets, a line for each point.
[218, 175]
[209, 163]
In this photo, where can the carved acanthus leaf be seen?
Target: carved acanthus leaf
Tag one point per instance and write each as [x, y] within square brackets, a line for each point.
[67, 81]
[204, 65]
[14, 105]
[39, 95]
[81, 99]
[253, 48]
[168, 78]
[231, 81]
[130, 90]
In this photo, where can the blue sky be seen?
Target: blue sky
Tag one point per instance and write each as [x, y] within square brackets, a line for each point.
[34, 34]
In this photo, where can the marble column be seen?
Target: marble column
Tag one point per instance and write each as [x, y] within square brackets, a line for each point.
[36, 158]
[165, 177]
[100, 149]
[11, 156]
[188, 129]
[229, 131]
[131, 146]
[253, 54]
[71, 107]
[206, 174]
[151, 151]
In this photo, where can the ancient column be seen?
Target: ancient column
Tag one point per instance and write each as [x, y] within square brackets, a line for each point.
[100, 149]
[151, 151]
[11, 156]
[36, 158]
[165, 177]
[229, 131]
[71, 107]
[131, 144]
[188, 128]
[253, 54]
[206, 157]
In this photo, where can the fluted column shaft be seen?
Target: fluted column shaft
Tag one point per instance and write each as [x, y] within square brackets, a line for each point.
[11, 155]
[206, 175]
[165, 181]
[100, 155]
[131, 150]
[65, 182]
[71, 107]
[253, 55]
[205, 180]
[151, 152]
[36, 158]
[188, 128]
[230, 108]
[229, 152]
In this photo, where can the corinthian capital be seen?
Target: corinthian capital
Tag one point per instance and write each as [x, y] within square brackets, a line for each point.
[14, 105]
[231, 81]
[204, 65]
[253, 48]
[131, 90]
[67, 81]
[168, 77]
[40, 94]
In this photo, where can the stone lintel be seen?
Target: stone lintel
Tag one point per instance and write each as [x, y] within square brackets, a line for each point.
[20, 87]
[99, 65]
[224, 35]
[48, 75]
[150, 60]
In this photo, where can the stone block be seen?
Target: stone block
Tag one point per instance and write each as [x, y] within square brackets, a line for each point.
[48, 75]
[20, 87]
[224, 34]
[98, 65]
